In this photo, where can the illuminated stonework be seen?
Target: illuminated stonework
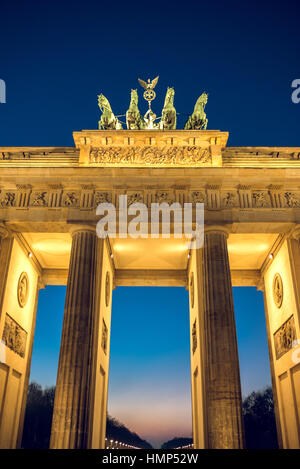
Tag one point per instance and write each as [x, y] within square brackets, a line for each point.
[285, 337]
[192, 289]
[107, 289]
[14, 336]
[150, 156]
[278, 290]
[104, 337]
[194, 337]
[48, 200]
[23, 289]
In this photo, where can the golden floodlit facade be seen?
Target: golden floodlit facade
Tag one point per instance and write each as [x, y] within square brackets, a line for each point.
[48, 200]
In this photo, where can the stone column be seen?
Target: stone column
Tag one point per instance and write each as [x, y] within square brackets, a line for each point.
[72, 407]
[221, 362]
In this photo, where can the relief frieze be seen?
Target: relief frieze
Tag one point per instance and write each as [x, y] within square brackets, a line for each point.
[213, 197]
[194, 336]
[104, 336]
[285, 337]
[150, 155]
[14, 336]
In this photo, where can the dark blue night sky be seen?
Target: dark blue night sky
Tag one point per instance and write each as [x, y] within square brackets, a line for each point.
[55, 58]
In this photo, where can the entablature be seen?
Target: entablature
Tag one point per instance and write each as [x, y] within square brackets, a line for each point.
[175, 149]
[67, 195]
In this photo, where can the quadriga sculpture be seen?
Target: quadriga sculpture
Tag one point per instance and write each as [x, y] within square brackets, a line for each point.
[108, 120]
[168, 118]
[198, 120]
[134, 120]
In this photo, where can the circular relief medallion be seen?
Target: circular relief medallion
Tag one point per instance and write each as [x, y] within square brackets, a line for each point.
[277, 290]
[23, 289]
[192, 289]
[107, 288]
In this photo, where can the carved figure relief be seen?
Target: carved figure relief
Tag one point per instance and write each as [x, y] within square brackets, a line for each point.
[102, 197]
[107, 289]
[8, 200]
[70, 199]
[164, 196]
[262, 199]
[104, 337]
[284, 337]
[292, 199]
[23, 289]
[194, 336]
[135, 197]
[14, 336]
[198, 197]
[148, 155]
[39, 199]
[230, 199]
[277, 290]
[192, 289]
[215, 199]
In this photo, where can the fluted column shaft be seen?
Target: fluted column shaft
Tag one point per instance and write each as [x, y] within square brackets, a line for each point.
[221, 362]
[72, 397]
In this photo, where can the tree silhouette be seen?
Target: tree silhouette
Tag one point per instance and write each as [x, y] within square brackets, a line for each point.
[258, 410]
[176, 443]
[38, 418]
[118, 431]
[259, 420]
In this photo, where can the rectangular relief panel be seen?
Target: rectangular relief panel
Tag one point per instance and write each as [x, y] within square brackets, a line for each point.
[14, 336]
[104, 336]
[284, 337]
[194, 336]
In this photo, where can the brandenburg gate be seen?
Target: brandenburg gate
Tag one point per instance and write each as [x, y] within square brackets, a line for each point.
[48, 201]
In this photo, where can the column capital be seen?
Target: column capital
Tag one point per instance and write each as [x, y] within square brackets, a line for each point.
[295, 233]
[261, 284]
[4, 232]
[78, 227]
[41, 284]
[225, 229]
